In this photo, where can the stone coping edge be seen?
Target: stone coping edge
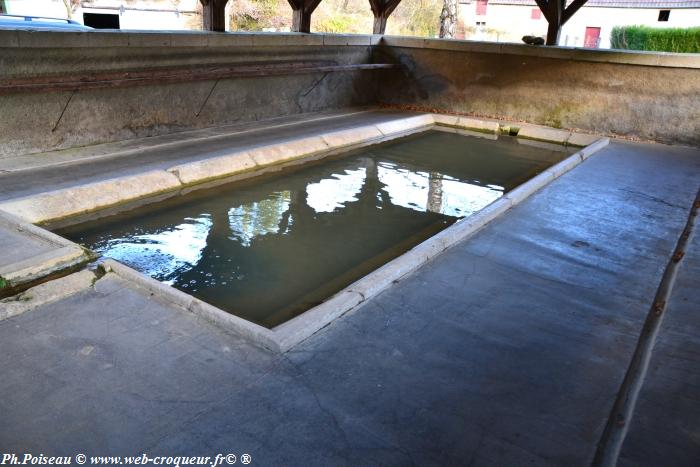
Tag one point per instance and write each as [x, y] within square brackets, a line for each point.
[83, 199]
[167, 39]
[287, 335]
[48, 292]
[52, 206]
[172, 140]
[297, 329]
[623, 57]
[64, 254]
[248, 330]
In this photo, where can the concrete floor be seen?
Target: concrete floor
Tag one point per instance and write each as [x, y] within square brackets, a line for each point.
[509, 349]
[666, 426]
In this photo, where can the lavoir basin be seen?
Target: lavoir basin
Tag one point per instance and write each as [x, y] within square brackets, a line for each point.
[268, 248]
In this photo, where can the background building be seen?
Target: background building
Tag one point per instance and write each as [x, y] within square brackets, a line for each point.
[115, 14]
[509, 20]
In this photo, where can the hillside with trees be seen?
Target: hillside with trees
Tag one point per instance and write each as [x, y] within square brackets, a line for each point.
[411, 17]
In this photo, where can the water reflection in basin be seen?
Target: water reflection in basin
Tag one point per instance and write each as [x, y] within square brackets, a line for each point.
[268, 249]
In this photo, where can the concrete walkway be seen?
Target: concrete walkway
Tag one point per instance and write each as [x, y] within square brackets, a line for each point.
[666, 427]
[509, 349]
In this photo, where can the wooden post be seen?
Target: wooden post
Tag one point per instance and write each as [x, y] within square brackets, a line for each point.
[555, 8]
[557, 14]
[301, 14]
[379, 24]
[382, 9]
[214, 15]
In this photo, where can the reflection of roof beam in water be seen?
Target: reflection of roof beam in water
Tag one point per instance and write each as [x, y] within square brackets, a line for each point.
[434, 203]
[365, 184]
[277, 244]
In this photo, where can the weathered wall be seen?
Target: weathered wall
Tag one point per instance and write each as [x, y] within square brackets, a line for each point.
[28, 121]
[645, 95]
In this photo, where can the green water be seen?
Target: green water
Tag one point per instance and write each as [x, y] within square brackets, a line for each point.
[269, 248]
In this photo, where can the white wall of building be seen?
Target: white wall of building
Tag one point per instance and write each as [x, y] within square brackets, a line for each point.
[50, 8]
[573, 32]
[509, 23]
[503, 23]
[132, 16]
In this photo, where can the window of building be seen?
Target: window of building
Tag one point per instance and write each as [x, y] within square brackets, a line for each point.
[664, 15]
[481, 7]
[536, 13]
[101, 21]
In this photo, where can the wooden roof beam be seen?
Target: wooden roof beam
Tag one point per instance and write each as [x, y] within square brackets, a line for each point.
[557, 14]
[382, 9]
[571, 9]
[214, 15]
[301, 14]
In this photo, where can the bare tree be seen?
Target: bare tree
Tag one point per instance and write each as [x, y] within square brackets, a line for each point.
[71, 6]
[448, 19]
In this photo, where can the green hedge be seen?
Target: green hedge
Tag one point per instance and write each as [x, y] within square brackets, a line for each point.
[658, 39]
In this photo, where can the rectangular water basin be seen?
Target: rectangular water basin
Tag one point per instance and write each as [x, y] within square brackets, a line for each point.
[268, 248]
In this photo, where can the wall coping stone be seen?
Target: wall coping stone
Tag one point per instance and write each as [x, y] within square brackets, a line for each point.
[130, 38]
[626, 57]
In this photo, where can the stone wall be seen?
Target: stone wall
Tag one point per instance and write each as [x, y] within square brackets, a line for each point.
[638, 94]
[650, 96]
[28, 121]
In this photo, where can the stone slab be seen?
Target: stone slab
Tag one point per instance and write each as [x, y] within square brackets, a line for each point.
[29, 175]
[46, 293]
[405, 125]
[338, 139]
[544, 134]
[42, 264]
[31, 253]
[581, 139]
[287, 151]
[59, 204]
[201, 171]
[141, 182]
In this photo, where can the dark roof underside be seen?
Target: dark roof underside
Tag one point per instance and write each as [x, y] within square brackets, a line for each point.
[654, 4]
